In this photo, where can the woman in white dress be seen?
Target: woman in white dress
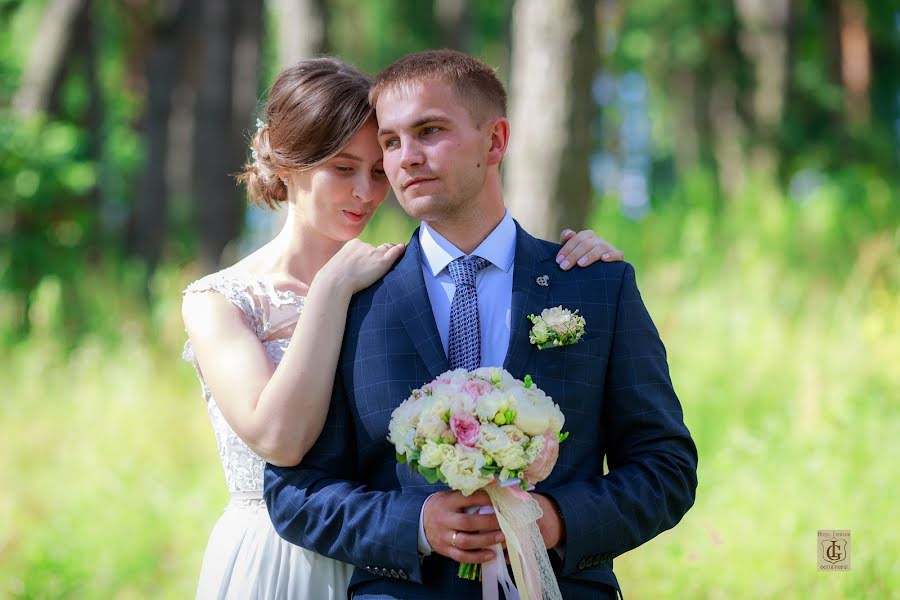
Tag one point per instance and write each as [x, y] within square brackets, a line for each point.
[266, 395]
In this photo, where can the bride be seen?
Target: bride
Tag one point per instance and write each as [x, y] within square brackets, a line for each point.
[267, 396]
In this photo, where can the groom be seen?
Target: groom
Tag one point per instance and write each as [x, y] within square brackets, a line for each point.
[459, 297]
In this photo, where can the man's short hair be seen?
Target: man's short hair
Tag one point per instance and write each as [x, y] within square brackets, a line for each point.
[474, 82]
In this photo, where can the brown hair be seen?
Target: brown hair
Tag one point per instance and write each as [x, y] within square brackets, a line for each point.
[314, 108]
[474, 82]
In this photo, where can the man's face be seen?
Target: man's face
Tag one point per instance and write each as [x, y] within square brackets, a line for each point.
[434, 155]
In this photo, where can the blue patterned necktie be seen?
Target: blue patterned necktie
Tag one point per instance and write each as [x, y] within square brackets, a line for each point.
[464, 344]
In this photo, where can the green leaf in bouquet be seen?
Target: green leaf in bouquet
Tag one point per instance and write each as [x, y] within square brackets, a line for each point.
[563, 436]
[429, 473]
[401, 458]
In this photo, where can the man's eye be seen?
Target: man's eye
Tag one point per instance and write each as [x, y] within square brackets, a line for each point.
[390, 143]
[430, 130]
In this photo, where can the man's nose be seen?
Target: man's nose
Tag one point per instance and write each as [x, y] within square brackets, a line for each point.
[410, 154]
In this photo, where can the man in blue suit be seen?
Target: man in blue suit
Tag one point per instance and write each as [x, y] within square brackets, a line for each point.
[467, 282]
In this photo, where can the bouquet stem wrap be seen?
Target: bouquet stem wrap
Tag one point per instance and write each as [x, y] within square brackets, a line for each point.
[517, 513]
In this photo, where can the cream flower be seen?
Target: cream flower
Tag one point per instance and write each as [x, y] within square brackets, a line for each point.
[432, 454]
[555, 326]
[462, 470]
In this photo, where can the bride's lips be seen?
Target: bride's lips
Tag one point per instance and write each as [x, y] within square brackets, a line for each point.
[355, 217]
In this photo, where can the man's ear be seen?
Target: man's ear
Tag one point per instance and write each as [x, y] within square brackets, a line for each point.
[498, 134]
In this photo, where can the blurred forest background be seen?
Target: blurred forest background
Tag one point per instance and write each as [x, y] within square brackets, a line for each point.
[744, 154]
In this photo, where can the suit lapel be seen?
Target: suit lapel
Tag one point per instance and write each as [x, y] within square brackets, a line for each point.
[406, 287]
[528, 297]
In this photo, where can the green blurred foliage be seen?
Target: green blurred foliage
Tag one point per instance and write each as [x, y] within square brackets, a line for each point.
[781, 316]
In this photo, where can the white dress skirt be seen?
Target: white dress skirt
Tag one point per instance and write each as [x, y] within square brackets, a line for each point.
[246, 558]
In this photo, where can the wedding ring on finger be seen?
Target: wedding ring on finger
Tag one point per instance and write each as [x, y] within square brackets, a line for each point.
[453, 539]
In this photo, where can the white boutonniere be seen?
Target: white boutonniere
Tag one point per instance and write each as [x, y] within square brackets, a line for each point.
[555, 327]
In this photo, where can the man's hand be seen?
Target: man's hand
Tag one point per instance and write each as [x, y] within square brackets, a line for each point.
[444, 515]
[553, 530]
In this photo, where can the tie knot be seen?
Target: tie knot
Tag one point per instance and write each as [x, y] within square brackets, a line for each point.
[464, 268]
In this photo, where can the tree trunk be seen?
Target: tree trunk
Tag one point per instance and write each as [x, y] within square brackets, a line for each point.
[301, 30]
[452, 17]
[47, 58]
[764, 41]
[856, 68]
[165, 57]
[554, 58]
[229, 29]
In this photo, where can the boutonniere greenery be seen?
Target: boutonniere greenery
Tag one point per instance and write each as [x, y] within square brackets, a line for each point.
[555, 327]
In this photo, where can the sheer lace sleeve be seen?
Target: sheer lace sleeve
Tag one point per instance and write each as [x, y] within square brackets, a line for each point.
[270, 313]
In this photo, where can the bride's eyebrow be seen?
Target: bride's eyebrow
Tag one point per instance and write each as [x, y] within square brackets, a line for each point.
[348, 155]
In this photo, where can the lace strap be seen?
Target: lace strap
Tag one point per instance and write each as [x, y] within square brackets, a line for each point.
[240, 293]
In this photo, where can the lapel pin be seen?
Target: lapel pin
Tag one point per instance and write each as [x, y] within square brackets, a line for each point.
[543, 280]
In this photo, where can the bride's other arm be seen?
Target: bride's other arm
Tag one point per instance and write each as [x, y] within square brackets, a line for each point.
[279, 412]
[585, 248]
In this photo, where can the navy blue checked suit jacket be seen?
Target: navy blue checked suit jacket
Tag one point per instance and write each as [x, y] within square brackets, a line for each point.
[350, 500]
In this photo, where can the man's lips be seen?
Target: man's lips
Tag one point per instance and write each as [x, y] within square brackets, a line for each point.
[411, 182]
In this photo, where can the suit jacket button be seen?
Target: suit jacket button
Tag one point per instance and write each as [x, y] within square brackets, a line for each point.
[581, 564]
[403, 574]
[394, 573]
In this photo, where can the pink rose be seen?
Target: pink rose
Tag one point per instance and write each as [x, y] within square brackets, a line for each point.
[540, 469]
[466, 429]
[476, 388]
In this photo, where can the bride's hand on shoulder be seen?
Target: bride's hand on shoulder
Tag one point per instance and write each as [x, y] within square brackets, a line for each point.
[358, 265]
[585, 248]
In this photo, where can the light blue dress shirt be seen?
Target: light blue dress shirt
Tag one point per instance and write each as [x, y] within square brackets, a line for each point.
[493, 284]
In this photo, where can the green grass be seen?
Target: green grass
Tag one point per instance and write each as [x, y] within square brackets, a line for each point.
[786, 369]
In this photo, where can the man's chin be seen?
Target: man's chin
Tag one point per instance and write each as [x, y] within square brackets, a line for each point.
[423, 208]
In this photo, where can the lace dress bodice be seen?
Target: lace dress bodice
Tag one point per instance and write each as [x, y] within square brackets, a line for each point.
[272, 314]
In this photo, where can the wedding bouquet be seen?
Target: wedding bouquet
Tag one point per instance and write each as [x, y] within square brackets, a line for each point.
[472, 430]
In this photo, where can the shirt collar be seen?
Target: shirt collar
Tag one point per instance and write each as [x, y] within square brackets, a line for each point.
[499, 247]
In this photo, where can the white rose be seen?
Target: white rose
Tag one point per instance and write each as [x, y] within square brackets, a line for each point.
[512, 457]
[432, 427]
[557, 419]
[515, 435]
[402, 428]
[492, 439]
[490, 404]
[540, 331]
[556, 318]
[432, 454]
[532, 418]
[462, 470]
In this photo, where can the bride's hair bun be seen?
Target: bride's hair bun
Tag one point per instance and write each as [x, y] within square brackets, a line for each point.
[315, 107]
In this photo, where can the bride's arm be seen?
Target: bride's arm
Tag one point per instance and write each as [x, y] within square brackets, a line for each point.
[279, 412]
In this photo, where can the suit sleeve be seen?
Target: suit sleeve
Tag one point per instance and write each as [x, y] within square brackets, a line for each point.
[651, 457]
[320, 505]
